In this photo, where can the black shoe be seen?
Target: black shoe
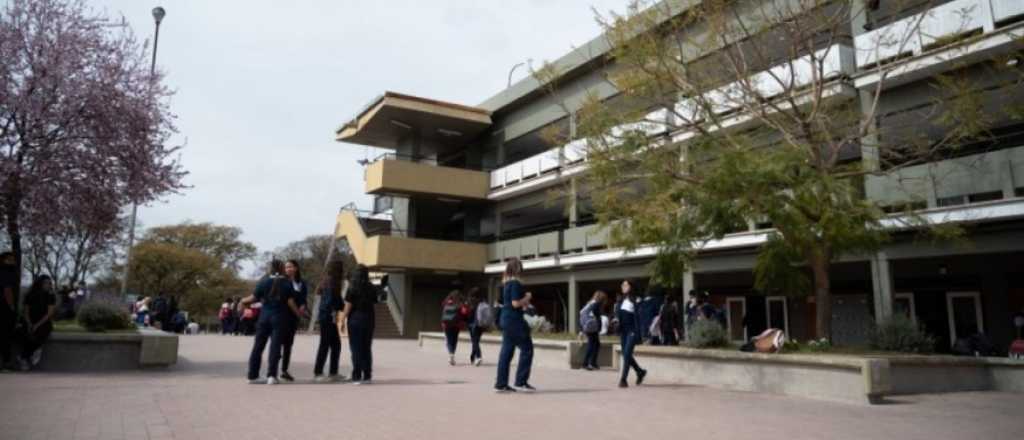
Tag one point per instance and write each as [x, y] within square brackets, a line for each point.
[623, 384]
[504, 389]
[526, 388]
[287, 377]
[640, 375]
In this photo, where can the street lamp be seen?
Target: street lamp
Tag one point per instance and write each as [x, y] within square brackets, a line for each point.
[158, 16]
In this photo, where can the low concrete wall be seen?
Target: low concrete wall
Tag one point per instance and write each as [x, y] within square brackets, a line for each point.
[942, 374]
[546, 352]
[836, 378]
[75, 351]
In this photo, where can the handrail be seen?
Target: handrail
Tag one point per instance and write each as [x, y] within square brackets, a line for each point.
[425, 160]
[396, 311]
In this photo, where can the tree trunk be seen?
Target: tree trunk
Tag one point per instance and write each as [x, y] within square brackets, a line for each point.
[822, 297]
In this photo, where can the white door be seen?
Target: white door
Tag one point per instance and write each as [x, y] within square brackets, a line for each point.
[778, 316]
[964, 311]
[735, 310]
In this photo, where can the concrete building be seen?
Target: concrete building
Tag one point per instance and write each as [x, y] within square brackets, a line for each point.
[465, 188]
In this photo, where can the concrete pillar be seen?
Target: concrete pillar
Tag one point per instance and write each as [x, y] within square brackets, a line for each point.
[574, 201]
[573, 304]
[688, 284]
[882, 286]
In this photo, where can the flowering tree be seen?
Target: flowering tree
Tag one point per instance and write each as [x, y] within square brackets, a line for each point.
[83, 123]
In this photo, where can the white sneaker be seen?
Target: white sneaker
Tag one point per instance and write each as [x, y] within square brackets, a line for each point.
[478, 362]
[272, 381]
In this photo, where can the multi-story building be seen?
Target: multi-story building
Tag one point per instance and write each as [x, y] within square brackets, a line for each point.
[465, 188]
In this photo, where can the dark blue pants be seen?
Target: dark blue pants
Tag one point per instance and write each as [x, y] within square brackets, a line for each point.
[330, 342]
[593, 350]
[360, 340]
[6, 334]
[287, 341]
[451, 339]
[475, 333]
[629, 340]
[515, 336]
[266, 329]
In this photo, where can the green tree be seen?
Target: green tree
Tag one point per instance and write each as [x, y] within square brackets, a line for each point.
[222, 243]
[312, 254]
[738, 113]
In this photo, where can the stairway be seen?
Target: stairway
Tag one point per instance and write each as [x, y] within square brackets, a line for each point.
[386, 327]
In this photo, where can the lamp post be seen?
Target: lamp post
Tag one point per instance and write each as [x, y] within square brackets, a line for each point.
[158, 16]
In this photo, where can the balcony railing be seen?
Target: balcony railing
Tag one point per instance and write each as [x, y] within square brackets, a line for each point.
[395, 174]
[932, 28]
[546, 244]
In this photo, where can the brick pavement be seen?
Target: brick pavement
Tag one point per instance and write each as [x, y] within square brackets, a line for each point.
[418, 396]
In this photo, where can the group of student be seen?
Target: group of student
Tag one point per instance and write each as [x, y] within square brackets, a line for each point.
[35, 323]
[282, 295]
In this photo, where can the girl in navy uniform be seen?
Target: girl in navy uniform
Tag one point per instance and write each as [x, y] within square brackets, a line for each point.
[630, 333]
[275, 294]
[357, 319]
[291, 321]
[515, 331]
[327, 313]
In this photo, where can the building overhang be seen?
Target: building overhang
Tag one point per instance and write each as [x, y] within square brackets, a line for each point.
[394, 116]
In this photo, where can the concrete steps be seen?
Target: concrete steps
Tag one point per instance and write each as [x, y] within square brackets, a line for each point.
[386, 326]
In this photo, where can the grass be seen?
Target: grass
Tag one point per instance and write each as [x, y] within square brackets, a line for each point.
[70, 326]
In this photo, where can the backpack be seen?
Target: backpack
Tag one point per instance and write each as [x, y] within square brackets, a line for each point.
[588, 322]
[225, 313]
[449, 312]
[484, 315]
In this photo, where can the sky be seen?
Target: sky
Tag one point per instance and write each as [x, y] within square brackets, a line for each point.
[260, 87]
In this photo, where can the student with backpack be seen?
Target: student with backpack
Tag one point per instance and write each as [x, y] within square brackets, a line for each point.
[225, 316]
[454, 314]
[590, 325]
[481, 319]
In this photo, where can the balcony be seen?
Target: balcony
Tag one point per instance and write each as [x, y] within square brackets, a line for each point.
[390, 175]
[371, 242]
[936, 27]
[394, 118]
[549, 244]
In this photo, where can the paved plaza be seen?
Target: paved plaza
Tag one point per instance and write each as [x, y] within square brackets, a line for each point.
[418, 396]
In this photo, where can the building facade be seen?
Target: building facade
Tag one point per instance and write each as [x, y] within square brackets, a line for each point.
[464, 188]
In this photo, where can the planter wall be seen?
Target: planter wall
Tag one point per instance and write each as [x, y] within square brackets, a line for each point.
[75, 351]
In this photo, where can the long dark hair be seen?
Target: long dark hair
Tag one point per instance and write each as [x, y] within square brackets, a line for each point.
[298, 270]
[633, 291]
[276, 267]
[335, 274]
[361, 279]
[37, 285]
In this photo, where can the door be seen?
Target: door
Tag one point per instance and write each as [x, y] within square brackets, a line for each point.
[903, 303]
[777, 315]
[736, 310]
[964, 314]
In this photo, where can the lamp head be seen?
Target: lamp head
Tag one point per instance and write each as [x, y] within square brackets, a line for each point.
[158, 14]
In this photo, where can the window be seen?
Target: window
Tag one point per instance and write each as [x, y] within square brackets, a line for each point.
[1019, 192]
[985, 196]
[951, 201]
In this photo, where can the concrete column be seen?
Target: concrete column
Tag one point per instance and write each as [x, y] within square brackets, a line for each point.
[882, 285]
[688, 284]
[573, 304]
[574, 201]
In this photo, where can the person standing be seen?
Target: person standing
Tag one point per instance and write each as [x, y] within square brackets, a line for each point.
[515, 331]
[40, 307]
[590, 323]
[275, 293]
[225, 314]
[453, 313]
[630, 333]
[327, 313]
[481, 319]
[291, 321]
[8, 302]
[357, 320]
[668, 320]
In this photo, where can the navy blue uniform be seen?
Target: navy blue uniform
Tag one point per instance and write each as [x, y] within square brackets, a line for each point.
[330, 341]
[515, 334]
[273, 292]
[291, 323]
[629, 324]
[361, 323]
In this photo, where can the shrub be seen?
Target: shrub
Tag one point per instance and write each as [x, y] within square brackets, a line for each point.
[899, 333]
[707, 333]
[819, 346]
[98, 316]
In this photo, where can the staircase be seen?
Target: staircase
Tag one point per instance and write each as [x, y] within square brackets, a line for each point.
[386, 327]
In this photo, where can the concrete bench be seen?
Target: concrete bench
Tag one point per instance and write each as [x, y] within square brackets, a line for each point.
[81, 351]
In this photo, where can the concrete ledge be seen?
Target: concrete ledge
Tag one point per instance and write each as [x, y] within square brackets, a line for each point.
[939, 374]
[109, 351]
[835, 378]
[546, 352]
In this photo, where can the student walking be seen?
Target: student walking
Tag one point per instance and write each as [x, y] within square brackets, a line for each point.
[291, 321]
[40, 307]
[590, 325]
[481, 319]
[454, 314]
[630, 333]
[515, 331]
[327, 317]
[357, 319]
[275, 293]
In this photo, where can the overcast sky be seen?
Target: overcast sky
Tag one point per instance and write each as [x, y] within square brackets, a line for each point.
[262, 85]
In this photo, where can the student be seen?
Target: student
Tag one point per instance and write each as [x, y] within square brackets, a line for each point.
[453, 319]
[515, 331]
[668, 320]
[327, 313]
[357, 319]
[236, 316]
[8, 301]
[590, 325]
[225, 315]
[291, 322]
[40, 307]
[630, 333]
[481, 319]
[275, 294]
